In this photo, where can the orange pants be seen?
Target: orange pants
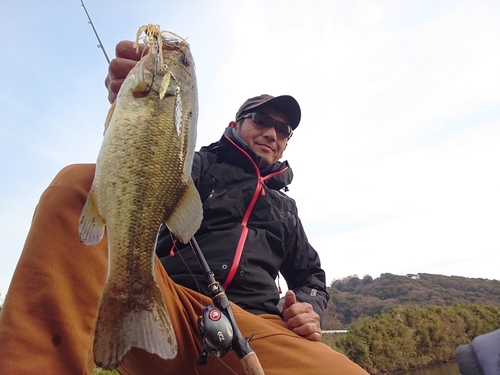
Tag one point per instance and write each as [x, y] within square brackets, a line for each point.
[47, 322]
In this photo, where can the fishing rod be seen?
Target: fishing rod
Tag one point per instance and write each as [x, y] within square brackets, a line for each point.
[100, 45]
[217, 325]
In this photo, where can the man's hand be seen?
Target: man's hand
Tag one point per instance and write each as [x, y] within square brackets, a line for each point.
[125, 60]
[301, 318]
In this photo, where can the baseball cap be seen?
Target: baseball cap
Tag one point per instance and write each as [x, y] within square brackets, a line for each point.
[284, 103]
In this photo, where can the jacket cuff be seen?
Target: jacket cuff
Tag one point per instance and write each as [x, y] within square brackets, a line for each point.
[317, 298]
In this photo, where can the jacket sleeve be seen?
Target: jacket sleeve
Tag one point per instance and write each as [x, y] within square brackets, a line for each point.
[303, 273]
[196, 168]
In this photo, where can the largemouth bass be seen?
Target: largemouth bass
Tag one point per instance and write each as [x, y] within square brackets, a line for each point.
[143, 179]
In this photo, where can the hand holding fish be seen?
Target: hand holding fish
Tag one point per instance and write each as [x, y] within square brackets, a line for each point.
[301, 318]
[126, 58]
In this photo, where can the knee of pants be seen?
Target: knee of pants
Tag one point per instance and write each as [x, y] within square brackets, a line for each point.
[72, 180]
[74, 175]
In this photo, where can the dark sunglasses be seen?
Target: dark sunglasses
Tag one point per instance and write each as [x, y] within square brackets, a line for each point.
[266, 121]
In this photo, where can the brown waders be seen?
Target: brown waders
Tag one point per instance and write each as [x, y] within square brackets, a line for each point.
[47, 323]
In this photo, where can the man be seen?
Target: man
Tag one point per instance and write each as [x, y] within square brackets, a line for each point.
[250, 231]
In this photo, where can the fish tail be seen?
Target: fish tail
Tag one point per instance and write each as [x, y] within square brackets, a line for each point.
[119, 329]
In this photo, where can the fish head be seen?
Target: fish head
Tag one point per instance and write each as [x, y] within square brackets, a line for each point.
[177, 54]
[167, 69]
[178, 64]
[167, 63]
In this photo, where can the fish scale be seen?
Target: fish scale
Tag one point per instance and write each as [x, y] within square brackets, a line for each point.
[143, 179]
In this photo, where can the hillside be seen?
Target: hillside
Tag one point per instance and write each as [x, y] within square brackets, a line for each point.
[352, 298]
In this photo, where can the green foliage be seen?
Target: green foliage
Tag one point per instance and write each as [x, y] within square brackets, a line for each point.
[367, 279]
[99, 371]
[406, 338]
[353, 298]
[331, 339]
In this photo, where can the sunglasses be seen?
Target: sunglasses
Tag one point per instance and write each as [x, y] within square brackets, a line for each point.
[266, 121]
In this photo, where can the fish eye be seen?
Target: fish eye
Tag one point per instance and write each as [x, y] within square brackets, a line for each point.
[184, 60]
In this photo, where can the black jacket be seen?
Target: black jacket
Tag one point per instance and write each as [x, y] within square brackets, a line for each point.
[240, 200]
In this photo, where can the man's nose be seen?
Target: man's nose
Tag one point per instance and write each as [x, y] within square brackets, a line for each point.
[270, 133]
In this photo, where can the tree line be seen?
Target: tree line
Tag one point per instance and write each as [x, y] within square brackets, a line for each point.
[352, 298]
[407, 338]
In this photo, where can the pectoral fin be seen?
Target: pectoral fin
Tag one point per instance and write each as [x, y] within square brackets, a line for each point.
[91, 225]
[185, 219]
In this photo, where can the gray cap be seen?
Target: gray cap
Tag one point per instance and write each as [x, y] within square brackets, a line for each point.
[284, 103]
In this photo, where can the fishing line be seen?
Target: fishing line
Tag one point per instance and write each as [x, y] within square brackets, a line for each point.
[100, 45]
[242, 349]
[201, 302]
[220, 360]
[225, 364]
[188, 268]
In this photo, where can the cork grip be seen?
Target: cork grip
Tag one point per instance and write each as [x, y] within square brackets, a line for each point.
[251, 364]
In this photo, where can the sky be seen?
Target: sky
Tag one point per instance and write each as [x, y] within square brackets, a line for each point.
[396, 157]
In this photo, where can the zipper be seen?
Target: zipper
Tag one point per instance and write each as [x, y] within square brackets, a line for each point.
[259, 191]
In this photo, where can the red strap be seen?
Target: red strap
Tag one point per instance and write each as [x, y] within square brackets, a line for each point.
[173, 248]
[259, 190]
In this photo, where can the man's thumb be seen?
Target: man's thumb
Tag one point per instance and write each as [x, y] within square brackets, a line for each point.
[289, 299]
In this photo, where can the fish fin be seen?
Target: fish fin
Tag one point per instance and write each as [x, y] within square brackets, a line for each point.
[91, 226]
[186, 217]
[119, 329]
[109, 116]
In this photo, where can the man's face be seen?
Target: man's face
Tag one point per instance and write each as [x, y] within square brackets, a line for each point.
[265, 142]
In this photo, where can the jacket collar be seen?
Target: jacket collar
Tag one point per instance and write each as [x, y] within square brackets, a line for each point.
[233, 153]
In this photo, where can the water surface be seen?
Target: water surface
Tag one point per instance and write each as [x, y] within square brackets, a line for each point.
[450, 368]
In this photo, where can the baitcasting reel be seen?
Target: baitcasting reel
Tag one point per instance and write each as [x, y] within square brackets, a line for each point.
[216, 333]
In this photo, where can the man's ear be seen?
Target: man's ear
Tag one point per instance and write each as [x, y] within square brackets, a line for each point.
[233, 124]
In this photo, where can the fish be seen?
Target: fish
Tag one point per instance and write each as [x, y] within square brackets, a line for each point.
[143, 180]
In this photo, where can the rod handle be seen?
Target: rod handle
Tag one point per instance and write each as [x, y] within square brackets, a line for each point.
[251, 364]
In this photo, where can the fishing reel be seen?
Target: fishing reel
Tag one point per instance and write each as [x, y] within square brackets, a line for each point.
[216, 333]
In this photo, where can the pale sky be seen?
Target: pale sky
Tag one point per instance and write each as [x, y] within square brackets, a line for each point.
[395, 160]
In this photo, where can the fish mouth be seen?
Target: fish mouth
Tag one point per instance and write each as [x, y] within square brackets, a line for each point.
[167, 53]
[174, 43]
[170, 37]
